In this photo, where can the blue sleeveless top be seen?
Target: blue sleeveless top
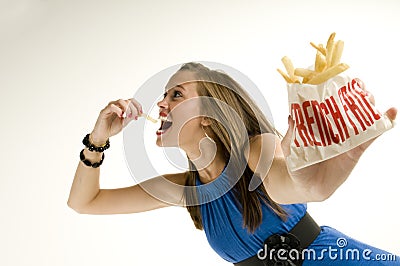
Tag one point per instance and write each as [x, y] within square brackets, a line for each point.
[223, 221]
[223, 226]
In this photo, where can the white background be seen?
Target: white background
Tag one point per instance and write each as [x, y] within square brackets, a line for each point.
[62, 61]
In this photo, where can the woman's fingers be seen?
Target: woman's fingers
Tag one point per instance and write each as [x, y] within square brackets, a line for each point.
[370, 97]
[124, 105]
[124, 108]
[137, 106]
[367, 93]
[131, 108]
[115, 108]
[287, 138]
[391, 113]
[114, 117]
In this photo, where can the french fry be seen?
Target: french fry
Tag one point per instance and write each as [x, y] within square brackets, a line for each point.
[307, 79]
[285, 76]
[327, 64]
[312, 75]
[327, 74]
[290, 69]
[302, 72]
[320, 62]
[329, 49]
[337, 53]
[319, 48]
[288, 66]
[149, 118]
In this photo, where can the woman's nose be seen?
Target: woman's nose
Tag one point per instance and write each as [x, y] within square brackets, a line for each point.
[162, 104]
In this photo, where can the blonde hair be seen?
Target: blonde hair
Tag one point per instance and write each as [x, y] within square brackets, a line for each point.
[220, 86]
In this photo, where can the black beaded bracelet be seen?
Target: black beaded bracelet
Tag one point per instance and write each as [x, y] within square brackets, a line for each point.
[89, 163]
[92, 147]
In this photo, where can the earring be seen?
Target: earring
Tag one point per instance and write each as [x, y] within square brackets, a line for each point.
[208, 137]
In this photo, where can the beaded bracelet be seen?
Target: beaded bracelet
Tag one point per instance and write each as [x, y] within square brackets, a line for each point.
[92, 147]
[89, 163]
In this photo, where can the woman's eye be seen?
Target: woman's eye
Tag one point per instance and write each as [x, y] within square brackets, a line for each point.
[177, 94]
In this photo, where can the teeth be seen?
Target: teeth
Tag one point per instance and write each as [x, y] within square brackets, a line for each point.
[164, 119]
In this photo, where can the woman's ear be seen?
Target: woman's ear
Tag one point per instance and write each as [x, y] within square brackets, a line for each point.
[205, 121]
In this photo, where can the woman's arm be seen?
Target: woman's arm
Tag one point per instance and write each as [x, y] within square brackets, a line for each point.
[85, 186]
[86, 195]
[267, 160]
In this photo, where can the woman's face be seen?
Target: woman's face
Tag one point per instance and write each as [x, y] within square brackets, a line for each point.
[180, 112]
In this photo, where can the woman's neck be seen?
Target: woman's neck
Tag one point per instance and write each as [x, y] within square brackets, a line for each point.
[212, 171]
[208, 159]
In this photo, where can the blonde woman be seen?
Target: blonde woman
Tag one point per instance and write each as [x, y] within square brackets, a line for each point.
[238, 188]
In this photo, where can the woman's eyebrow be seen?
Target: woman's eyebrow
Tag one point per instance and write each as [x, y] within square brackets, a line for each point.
[178, 85]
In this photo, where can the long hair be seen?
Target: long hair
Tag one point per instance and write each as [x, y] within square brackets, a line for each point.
[220, 86]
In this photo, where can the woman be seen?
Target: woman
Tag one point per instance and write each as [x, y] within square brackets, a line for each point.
[238, 188]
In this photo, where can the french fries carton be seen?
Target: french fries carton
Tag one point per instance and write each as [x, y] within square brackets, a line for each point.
[331, 109]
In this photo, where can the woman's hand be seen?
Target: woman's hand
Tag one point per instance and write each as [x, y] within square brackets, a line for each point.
[322, 179]
[113, 118]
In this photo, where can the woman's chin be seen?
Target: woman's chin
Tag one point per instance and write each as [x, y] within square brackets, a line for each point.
[166, 139]
[159, 143]
[164, 143]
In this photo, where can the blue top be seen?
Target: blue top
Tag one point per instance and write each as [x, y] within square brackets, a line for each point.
[223, 226]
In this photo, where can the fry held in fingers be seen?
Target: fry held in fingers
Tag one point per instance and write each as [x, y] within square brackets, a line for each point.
[327, 64]
[134, 109]
[149, 118]
[142, 115]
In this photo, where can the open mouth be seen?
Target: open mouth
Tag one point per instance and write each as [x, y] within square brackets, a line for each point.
[165, 125]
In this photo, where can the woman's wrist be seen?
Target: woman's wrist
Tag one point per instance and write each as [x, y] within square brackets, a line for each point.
[97, 140]
[95, 147]
[93, 154]
[91, 162]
